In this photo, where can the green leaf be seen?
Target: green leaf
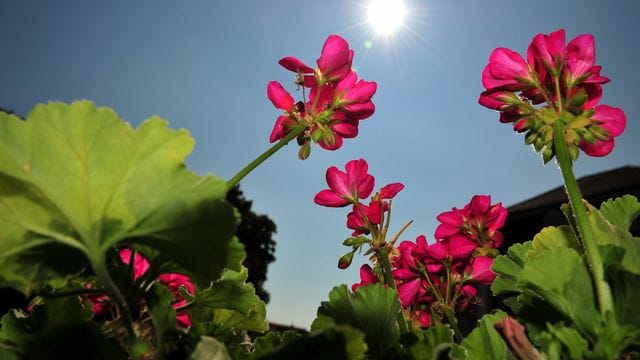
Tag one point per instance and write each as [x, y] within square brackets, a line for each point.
[78, 175]
[58, 328]
[340, 342]
[508, 267]
[210, 349]
[483, 342]
[229, 304]
[552, 237]
[622, 211]
[572, 343]
[560, 277]
[231, 291]
[223, 322]
[428, 344]
[613, 339]
[626, 291]
[374, 310]
[272, 340]
[606, 233]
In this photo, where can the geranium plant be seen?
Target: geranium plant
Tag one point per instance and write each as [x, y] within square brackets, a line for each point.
[125, 253]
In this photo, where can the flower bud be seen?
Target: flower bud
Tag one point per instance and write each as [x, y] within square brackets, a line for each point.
[579, 98]
[355, 241]
[547, 154]
[316, 135]
[600, 133]
[574, 151]
[587, 136]
[538, 144]
[305, 151]
[329, 137]
[345, 260]
[531, 137]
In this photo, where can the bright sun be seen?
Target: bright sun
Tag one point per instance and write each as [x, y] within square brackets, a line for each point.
[386, 15]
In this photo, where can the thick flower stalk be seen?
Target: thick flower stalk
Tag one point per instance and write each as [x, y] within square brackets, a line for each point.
[556, 83]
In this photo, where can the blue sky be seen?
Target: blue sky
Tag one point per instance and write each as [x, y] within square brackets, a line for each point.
[205, 65]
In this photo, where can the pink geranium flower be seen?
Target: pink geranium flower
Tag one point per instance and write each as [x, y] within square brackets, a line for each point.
[346, 187]
[555, 79]
[478, 221]
[174, 282]
[547, 53]
[366, 277]
[581, 57]
[337, 99]
[334, 62]
[140, 263]
[506, 70]
[282, 100]
[353, 96]
[613, 121]
[480, 270]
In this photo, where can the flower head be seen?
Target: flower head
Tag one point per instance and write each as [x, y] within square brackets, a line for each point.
[346, 187]
[558, 82]
[478, 222]
[337, 102]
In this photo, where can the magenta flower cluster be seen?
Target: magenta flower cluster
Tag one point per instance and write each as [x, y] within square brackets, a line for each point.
[337, 102]
[443, 276]
[557, 82]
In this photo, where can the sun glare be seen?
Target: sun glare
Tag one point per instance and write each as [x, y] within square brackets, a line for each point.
[386, 15]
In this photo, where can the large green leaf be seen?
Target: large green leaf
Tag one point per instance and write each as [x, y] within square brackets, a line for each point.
[559, 339]
[560, 277]
[606, 233]
[339, 343]
[622, 211]
[507, 267]
[224, 322]
[210, 349]
[429, 344]
[553, 237]
[374, 310]
[79, 175]
[483, 342]
[57, 329]
[271, 341]
[626, 295]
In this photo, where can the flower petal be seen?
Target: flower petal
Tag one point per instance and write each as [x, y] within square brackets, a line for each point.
[280, 98]
[293, 64]
[330, 199]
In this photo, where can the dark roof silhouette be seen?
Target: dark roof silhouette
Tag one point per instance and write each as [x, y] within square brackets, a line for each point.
[603, 183]
[528, 217]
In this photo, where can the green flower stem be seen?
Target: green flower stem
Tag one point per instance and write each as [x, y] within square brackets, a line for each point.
[265, 155]
[453, 322]
[603, 292]
[100, 268]
[383, 255]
